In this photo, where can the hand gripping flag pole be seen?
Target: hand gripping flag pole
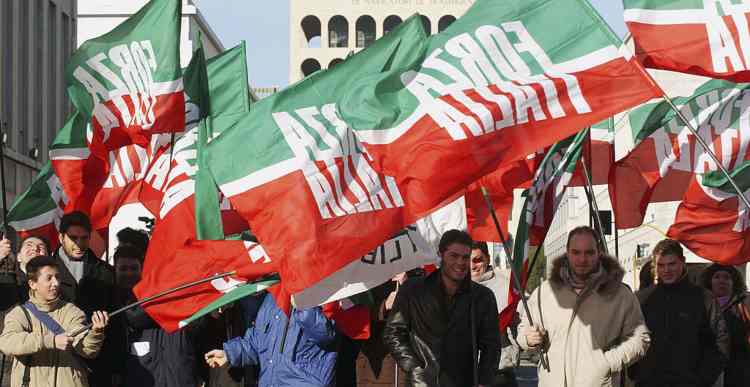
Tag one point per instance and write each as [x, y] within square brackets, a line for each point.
[514, 271]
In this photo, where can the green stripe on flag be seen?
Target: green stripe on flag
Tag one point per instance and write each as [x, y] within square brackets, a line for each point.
[240, 292]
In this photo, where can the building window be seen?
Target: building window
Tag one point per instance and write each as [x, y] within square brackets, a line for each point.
[445, 21]
[311, 28]
[310, 66]
[390, 23]
[334, 62]
[338, 32]
[365, 31]
[427, 24]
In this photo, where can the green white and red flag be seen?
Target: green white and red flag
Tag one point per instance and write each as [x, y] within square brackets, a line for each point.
[494, 87]
[294, 170]
[38, 210]
[135, 173]
[712, 221]
[541, 202]
[128, 82]
[661, 155]
[702, 37]
[193, 261]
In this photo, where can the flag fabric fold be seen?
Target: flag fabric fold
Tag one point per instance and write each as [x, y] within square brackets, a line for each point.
[491, 89]
[294, 170]
[702, 37]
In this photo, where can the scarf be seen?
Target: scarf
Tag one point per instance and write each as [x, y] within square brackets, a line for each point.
[569, 278]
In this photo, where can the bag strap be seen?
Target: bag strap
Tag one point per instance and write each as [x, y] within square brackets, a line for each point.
[44, 318]
[26, 380]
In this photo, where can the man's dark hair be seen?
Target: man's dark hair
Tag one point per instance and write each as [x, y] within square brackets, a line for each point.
[75, 218]
[454, 236]
[133, 237]
[41, 238]
[36, 264]
[482, 246]
[128, 251]
[667, 247]
[738, 284]
[581, 230]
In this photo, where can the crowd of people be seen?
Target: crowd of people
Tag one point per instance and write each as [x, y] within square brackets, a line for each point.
[441, 328]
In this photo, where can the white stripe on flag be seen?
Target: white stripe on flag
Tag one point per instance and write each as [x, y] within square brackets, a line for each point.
[260, 177]
[159, 88]
[37, 221]
[603, 135]
[589, 61]
[69, 154]
[387, 136]
[666, 17]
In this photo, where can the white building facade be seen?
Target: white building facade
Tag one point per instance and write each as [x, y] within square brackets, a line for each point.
[97, 17]
[324, 33]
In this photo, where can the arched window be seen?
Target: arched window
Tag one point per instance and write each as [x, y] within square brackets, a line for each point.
[365, 31]
[309, 66]
[390, 23]
[427, 24]
[445, 21]
[338, 32]
[334, 62]
[311, 28]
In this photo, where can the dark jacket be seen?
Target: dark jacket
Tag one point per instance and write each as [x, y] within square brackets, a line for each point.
[309, 353]
[689, 339]
[153, 357]
[737, 373]
[436, 341]
[94, 292]
[14, 289]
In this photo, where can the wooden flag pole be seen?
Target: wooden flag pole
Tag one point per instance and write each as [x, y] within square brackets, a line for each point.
[694, 132]
[514, 271]
[154, 297]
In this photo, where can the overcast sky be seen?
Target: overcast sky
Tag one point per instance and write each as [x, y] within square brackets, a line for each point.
[264, 24]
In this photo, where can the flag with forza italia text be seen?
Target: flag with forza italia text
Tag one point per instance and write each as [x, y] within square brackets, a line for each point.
[294, 170]
[495, 86]
[128, 82]
[702, 37]
[657, 154]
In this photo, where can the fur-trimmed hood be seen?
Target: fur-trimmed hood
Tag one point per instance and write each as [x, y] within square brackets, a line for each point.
[609, 283]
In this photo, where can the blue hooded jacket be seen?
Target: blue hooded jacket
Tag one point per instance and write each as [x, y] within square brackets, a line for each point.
[309, 357]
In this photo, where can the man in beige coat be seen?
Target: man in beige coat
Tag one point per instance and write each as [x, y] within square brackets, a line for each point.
[588, 322]
[41, 357]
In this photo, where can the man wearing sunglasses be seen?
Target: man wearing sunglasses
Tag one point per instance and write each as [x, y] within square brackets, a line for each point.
[86, 281]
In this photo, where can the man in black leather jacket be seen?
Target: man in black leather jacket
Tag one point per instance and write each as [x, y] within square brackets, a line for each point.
[443, 329]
